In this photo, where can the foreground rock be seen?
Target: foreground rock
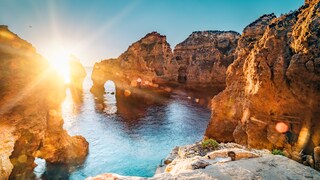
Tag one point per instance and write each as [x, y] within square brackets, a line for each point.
[250, 164]
[272, 95]
[30, 117]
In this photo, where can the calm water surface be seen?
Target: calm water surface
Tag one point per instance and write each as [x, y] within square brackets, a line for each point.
[127, 138]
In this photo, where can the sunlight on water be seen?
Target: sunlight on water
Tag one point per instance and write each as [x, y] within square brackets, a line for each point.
[69, 111]
[128, 138]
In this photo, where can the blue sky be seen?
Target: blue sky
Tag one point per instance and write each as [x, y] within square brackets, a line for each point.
[98, 29]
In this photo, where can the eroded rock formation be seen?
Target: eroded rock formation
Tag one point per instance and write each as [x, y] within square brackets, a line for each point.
[204, 56]
[30, 117]
[202, 59]
[273, 88]
[141, 65]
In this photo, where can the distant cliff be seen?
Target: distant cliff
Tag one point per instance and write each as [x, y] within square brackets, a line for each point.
[145, 60]
[30, 115]
[273, 87]
[202, 59]
[204, 56]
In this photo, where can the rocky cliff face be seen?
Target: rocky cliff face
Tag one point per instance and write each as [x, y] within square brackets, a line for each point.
[273, 90]
[204, 56]
[202, 59]
[150, 54]
[30, 117]
[145, 60]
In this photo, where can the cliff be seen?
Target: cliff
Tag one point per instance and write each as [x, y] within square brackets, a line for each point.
[30, 117]
[272, 95]
[150, 54]
[202, 59]
[204, 56]
[145, 60]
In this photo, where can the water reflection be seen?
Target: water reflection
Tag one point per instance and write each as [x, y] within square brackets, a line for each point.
[129, 108]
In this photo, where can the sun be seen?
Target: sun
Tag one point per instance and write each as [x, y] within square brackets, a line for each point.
[59, 59]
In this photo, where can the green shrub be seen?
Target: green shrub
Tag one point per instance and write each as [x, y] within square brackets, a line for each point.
[209, 143]
[277, 152]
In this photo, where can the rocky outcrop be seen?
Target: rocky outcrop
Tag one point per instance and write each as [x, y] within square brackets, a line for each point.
[204, 56]
[150, 55]
[141, 65]
[249, 164]
[251, 35]
[272, 95]
[30, 117]
[200, 60]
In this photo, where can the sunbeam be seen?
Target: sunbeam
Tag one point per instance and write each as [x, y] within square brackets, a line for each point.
[12, 101]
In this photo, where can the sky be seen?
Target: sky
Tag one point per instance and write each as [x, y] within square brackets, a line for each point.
[94, 30]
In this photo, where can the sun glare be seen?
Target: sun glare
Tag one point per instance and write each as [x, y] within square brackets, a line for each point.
[59, 60]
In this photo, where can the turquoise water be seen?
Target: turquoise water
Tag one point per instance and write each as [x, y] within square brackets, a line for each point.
[128, 138]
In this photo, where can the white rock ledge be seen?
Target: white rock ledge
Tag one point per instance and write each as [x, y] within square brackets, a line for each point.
[247, 164]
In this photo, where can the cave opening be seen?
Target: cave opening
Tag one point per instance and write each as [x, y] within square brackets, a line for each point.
[110, 100]
[40, 169]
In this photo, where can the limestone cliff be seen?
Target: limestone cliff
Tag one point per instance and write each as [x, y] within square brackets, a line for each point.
[273, 87]
[150, 54]
[204, 56]
[30, 117]
[145, 60]
[202, 59]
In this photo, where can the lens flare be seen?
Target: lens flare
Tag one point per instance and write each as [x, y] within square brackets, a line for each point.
[59, 60]
[282, 127]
